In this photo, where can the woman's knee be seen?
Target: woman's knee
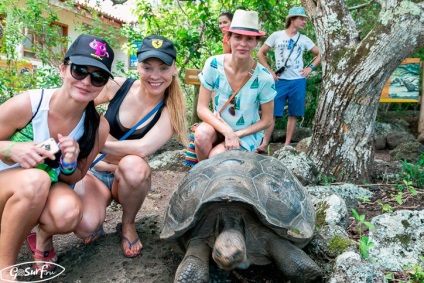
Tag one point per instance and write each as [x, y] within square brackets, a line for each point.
[87, 226]
[34, 186]
[64, 211]
[204, 135]
[134, 170]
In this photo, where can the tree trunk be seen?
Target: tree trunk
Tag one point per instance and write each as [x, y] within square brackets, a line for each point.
[354, 73]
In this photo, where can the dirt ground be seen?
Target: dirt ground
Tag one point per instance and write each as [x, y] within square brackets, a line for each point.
[102, 261]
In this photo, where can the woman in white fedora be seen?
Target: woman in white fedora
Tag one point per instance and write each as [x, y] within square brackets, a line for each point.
[235, 123]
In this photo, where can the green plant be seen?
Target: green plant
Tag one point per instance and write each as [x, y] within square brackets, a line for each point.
[326, 180]
[398, 197]
[385, 207]
[413, 174]
[364, 245]
[364, 199]
[416, 273]
[364, 241]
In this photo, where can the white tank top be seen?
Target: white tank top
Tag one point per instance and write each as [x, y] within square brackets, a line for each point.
[40, 126]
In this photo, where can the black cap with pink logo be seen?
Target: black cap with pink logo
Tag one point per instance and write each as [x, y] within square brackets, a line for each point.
[93, 51]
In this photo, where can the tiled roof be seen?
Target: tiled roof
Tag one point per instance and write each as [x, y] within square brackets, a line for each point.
[121, 12]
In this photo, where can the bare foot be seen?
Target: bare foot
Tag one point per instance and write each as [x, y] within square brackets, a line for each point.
[131, 244]
[262, 149]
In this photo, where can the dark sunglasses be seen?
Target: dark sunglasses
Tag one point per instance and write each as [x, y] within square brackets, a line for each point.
[232, 110]
[290, 46]
[98, 78]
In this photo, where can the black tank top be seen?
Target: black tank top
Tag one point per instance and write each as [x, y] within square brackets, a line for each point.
[111, 115]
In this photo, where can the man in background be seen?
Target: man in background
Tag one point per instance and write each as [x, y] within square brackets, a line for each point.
[290, 74]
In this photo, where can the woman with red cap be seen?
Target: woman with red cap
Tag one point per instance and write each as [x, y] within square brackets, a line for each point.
[235, 122]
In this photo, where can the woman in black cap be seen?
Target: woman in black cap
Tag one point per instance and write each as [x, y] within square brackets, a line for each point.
[35, 172]
[124, 173]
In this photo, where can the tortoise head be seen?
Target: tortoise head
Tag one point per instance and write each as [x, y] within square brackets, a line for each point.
[229, 250]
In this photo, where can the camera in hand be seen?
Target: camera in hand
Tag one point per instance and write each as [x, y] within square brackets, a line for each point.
[280, 71]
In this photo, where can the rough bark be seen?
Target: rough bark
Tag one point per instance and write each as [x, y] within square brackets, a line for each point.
[354, 73]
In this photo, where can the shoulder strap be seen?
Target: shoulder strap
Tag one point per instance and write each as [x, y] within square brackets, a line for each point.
[38, 107]
[291, 51]
[249, 75]
[144, 119]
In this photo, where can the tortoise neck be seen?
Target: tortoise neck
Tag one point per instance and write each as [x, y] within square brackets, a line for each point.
[231, 217]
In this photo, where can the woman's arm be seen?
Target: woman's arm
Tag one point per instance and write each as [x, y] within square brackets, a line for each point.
[109, 91]
[15, 114]
[207, 116]
[157, 137]
[263, 123]
[84, 164]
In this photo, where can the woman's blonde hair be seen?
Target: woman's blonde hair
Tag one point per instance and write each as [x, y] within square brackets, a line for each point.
[175, 102]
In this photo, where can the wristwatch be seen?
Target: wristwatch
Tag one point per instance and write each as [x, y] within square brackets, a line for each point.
[312, 67]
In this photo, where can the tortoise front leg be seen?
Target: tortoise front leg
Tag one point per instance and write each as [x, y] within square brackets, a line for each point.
[195, 266]
[293, 262]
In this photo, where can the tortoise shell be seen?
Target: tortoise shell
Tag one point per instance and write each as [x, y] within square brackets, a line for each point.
[263, 183]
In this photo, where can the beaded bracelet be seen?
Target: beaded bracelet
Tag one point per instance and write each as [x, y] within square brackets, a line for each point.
[67, 168]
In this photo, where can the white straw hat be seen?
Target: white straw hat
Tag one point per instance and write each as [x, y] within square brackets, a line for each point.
[246, 23]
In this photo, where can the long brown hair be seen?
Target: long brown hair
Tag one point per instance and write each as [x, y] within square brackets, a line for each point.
[175, 102]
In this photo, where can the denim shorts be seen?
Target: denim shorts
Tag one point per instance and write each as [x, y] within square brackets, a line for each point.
[294, 91]
[105, 176]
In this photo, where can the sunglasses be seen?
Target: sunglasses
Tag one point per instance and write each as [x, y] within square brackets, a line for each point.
[290, 46]
[232, 110]
[98, 78]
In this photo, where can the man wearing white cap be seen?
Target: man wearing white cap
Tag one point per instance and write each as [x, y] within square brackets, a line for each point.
[290, 73]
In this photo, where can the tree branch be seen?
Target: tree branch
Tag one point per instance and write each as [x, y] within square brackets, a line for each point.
[196, 47]
[361, 5]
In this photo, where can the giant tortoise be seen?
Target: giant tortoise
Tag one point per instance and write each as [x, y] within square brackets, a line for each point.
[246, 209]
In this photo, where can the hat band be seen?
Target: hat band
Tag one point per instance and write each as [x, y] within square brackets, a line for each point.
[243, 28]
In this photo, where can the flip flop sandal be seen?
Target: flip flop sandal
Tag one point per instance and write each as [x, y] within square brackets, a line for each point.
[130, 244]
[100, 233]
[38, 255]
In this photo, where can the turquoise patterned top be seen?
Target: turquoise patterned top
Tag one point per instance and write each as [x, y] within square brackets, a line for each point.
[259, 89]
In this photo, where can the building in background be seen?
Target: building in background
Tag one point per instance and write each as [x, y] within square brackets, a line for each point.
[70, 18]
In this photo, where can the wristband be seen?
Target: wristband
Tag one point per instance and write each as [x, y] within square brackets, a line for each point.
[312, 67]
[66, 171]
[67, 168]
[67, 165]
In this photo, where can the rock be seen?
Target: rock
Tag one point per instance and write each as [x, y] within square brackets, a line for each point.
[332, 210]
[397, 239]
[301, 133]
[394, 139]
[299, 163]
[331, 240]
[350, 268]
[410, 151]
[350, 193]
[420, 138]
[169, 160]
[303, 145]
